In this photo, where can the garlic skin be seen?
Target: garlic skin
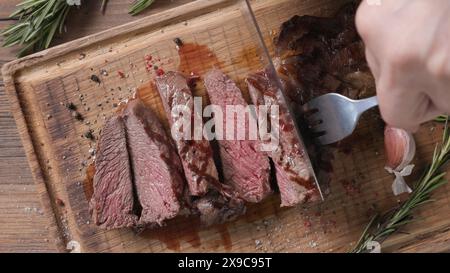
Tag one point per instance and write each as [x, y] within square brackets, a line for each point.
[73, 247]
[373, 247]
[400, 149]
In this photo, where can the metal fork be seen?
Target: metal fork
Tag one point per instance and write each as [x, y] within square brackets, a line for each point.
[336, 116]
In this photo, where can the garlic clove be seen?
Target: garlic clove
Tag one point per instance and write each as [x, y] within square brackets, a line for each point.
[400, 148]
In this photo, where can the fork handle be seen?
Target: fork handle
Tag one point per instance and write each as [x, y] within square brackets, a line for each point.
[366, 104]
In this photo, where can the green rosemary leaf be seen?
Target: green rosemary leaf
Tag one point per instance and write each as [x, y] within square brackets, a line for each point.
[423, 202]
[384, 233]
[62, 20]
[13, 28]
[27, 48]
[139, 5]
[363, 235]
[441, 118]
[398, 225]
[435, 185]
[45, 10]
[39, 21]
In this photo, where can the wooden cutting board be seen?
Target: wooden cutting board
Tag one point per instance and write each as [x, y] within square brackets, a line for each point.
[215, 35]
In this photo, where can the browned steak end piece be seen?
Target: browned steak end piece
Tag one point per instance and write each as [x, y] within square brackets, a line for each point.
[158, 175]
[216, 209]
[294, 178]
[322, 55]
[244, 167]
[315, 56]
[111, 204]
[219, 205]
[196, 155]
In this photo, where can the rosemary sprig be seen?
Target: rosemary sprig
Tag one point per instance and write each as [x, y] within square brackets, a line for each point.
[441, 118]
[103, 6]
[39, 20]
[380, 228]
[139, 6]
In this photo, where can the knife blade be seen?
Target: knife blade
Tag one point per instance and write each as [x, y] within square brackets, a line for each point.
[269, 66]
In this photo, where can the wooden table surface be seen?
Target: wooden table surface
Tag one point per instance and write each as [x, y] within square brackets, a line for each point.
[23, 225]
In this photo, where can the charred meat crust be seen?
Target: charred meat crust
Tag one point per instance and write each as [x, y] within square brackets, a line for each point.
[317, 55]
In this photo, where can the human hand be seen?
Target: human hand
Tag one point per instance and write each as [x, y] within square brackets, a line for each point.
[408, 51]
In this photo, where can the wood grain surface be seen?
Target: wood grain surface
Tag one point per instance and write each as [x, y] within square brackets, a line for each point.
[23, 224]
[361, 185]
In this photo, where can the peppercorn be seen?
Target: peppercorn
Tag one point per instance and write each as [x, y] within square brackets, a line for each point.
[88, 134]
[71, 106]
[77, 116]
[178, 42]
[95, 78]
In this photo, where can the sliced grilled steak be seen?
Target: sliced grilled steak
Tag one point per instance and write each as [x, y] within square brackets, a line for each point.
[294, 178]
[244, 167]
[158, 174]
[315, 56]
[196, 155]
[322, 55]
[111, 204]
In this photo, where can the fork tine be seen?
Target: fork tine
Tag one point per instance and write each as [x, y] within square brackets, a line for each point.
[321, 127]
[327, 139]
[314, 120]
[318, 134]
[314, 123]
[336, 116]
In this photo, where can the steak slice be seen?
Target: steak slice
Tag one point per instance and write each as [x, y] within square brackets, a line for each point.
[244, 167]
[316, 56]
[294, 178]
[196, 155]
[322, 55]
[111, 204]
[158, 175]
